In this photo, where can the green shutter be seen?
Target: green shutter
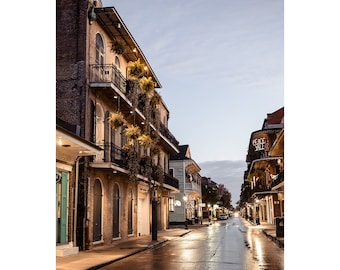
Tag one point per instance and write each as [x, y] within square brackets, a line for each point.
[63, 207]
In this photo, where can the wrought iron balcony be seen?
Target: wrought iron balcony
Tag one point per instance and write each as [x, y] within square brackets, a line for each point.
[116, 155]
[168, 179]
[167, 134]
[101, 75]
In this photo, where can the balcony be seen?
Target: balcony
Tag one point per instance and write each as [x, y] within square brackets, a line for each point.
[171, 181]
[107, 76]
[114, 154]
[109, 81]
[193, 187]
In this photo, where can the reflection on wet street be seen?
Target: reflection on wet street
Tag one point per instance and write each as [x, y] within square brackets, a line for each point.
[228, 244]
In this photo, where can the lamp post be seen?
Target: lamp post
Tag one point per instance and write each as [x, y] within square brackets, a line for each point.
[257, 211]
[185, 199]
[154, 215]
[209, 209]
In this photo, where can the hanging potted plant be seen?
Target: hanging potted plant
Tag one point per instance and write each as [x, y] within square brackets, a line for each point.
[136, 69]
[117, 47]
[116, 120]
[147, 85]
[145, 140]
[132, 132]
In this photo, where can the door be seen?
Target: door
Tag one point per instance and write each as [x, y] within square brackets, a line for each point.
[61, 207]
[115, 212]
[130, 210]
[97, 212]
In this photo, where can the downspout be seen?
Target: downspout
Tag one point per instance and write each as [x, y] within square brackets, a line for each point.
[76, 203]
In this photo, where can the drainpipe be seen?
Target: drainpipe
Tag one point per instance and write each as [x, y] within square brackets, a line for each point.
[75, 203]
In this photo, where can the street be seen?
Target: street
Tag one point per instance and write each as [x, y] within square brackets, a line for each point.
[226, 244]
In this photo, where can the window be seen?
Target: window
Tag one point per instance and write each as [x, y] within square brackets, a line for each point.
[100, 59]
[100, 54]
[117, 62]
[171, 204]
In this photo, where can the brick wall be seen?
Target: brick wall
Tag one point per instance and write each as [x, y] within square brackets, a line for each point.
[71, 23]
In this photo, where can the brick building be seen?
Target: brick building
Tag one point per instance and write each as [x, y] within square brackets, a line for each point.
[107, 90]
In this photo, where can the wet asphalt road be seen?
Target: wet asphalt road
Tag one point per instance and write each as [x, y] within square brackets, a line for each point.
[227, 244]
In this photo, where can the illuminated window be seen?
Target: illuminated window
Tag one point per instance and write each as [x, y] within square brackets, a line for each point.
[171, 204]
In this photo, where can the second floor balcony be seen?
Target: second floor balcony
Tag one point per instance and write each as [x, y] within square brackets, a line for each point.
[107, 76]
[116, 156]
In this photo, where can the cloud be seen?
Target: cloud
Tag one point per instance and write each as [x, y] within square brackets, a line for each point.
[227, 172]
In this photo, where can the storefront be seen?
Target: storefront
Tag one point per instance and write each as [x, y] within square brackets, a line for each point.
[69, 149]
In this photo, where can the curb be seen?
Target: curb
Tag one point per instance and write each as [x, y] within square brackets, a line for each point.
[274, 239]
[151, 246]
[128, 255]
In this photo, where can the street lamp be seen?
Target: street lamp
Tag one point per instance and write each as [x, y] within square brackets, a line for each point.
[154, 214]
[209, 209]
[257, 220]
[185, 198]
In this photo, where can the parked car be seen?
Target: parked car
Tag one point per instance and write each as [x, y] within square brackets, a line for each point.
[223, 216]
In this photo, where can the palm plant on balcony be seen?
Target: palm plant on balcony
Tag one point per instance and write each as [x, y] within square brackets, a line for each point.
[136, 69]
[132, 132]
[147, 85]
[116, 120]
[145, 140]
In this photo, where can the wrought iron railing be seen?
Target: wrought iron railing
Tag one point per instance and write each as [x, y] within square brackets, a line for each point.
[107, 74]
[279, 179]
[167, 134]
[117, 155]
[172, 181]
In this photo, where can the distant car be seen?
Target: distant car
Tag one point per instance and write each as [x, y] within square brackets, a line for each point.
[223, 216]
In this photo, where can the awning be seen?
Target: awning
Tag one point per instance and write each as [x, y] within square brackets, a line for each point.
[262, 163]
[192, 168]
[262, 194]
[70, 146]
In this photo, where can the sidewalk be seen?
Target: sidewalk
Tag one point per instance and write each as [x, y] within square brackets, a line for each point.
[101, 256]
[270, 231]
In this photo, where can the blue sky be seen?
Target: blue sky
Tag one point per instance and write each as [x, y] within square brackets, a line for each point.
[220, 64]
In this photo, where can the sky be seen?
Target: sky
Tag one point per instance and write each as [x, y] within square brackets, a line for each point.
[220, 64]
